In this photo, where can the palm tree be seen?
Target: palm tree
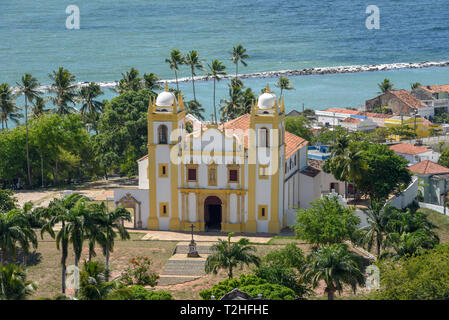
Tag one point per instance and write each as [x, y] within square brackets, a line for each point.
[415, 85]
[130, 81]
[238, 54]
[59, 212]
[385, 85]
[8, 108]
[15, 229]
[336, 266]
[38, 107]
[176, 59]
[94, 232]
[93, 284]
[89, 106]
[29, 88]
[13, 283]
[195, 108]
[378, 216]
[193, 60]
[216, 69]
[113, 221]
[227, 255]
[406, 244]
[152, 81]
[284, 83]
[64, 89]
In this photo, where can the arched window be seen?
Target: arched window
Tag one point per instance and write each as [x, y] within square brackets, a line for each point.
[264, 138]
[162, 133]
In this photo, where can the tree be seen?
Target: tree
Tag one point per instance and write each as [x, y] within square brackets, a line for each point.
[227, 255]
[175, 60]
[193, 60]
[385, 86]
[284, 83]
[13, 283]
[336, 266]
[123, 132]
[299, 126]
[285, 267]
[407, 244]
[93, 284]
[252, 285]
[326, 222]
[152, 81]
[420, 277]
[238, 55]
[38, 107]
[59, 212]
[378, 217]
[239, 102]
[89, 106]
[15, 229]
[216, 69]
[139, 293]
[113, 221]
[195, 108]
[385, 172]
[444, 158]
[8, 108]
[415, 85]
[29, 88]
[7, 200]
[139, 272]
[130, 82]
[64, 89]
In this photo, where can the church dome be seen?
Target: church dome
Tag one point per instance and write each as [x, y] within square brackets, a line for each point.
[267, 100]
[165, 99]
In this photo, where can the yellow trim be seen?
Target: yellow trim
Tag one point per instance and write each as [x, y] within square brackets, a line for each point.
[161, 170]
[213, 191]
[262, 212]
[161, 210]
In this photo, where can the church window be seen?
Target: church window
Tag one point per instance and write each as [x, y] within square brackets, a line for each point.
[212, 176]
[163, 170]
[163, 209]
[264, 138]
[263, 171]
[162, 132]
[191, 174]
[263, 212]
[233, 175]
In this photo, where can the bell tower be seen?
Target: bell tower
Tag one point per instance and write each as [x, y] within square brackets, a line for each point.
[166, 128]
[265, 164]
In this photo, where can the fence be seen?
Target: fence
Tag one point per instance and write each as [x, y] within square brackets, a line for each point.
[405, 198]
[434, 207]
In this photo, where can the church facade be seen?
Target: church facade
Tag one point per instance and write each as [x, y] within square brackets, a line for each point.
[243, 175]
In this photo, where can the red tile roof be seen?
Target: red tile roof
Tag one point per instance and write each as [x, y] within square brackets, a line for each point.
[428, 167]
[408, 98]
[408, 148]
[375, 115]
[143, 158]
[339, 110]
[310, 171]
[436, 88]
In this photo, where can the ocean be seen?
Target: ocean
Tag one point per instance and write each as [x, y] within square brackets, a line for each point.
[278, 34]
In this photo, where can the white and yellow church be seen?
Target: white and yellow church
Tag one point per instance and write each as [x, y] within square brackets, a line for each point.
[243, 175]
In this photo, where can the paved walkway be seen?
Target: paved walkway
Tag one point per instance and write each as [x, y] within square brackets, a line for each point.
[203, 236]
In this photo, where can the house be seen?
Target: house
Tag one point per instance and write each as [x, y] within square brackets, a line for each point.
[415, 154]
[318, 183]
[333, 116]
[243, 175]
[401, 102]
[358, 123]
[377, 118]
[434, 96]
[421, 126]
[435, 181]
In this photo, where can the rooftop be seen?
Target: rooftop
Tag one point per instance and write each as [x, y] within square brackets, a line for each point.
[408, 98]
[428, 167]
[340, 110]
[436, 88]
[408, 148]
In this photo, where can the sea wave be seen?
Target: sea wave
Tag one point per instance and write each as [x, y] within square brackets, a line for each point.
[293, 72]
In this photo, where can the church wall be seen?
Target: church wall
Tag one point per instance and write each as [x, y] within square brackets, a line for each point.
[143, 174]
[140, 195]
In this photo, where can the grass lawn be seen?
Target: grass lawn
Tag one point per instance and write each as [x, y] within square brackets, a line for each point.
[441, 221]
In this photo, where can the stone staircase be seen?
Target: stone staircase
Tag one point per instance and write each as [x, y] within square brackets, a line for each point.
[179, 268]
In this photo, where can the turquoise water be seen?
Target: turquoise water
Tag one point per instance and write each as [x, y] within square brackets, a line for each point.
[117, 35]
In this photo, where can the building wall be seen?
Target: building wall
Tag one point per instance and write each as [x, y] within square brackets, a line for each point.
[143, 174]
[140, 195]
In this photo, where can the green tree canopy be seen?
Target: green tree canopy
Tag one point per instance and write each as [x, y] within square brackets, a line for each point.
[326, 222]
[299, 126]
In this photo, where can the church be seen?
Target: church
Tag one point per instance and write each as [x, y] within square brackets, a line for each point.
[243, 175]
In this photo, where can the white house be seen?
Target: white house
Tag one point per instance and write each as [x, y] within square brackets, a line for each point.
[415, 154]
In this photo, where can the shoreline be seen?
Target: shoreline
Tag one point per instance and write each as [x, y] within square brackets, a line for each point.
[291, 73]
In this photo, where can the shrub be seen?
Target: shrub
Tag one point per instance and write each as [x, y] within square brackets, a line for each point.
[139, 272]
[138, 293]
[251, 284]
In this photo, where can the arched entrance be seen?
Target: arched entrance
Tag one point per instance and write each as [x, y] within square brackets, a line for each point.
[212, 213]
